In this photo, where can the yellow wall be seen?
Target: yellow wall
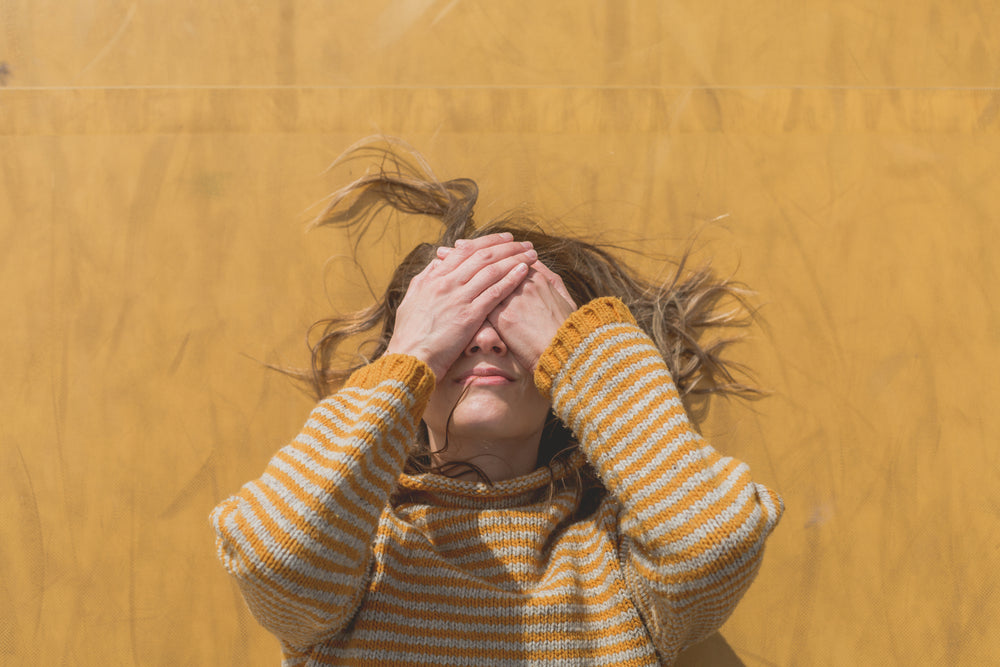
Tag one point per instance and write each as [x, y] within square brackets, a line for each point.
[158, 161]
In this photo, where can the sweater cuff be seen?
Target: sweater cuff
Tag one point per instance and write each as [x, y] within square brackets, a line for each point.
[418, 376]
[579, 325]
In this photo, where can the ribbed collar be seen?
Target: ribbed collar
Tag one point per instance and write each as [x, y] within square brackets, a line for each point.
[516, 492]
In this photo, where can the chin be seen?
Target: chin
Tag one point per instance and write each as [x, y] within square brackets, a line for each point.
[471, 421]
[489, 413]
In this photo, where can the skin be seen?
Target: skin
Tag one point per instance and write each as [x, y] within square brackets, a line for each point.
[481, 315]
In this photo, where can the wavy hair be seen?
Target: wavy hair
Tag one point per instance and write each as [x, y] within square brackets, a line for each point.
[689, 317]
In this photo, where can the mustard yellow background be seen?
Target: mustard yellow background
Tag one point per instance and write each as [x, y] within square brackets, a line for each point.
[159, 162]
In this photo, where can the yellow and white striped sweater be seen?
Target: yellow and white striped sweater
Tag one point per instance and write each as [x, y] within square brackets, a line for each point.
[464, 573]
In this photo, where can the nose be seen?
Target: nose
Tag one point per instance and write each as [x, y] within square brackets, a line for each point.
[486, 340]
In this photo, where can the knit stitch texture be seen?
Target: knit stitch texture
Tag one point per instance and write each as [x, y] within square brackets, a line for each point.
[466, 573]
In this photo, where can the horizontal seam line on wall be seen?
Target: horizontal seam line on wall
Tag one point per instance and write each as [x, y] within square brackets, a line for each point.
[510, 87]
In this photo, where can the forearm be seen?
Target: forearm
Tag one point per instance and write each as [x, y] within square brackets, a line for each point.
[298, 539]
[693, 521]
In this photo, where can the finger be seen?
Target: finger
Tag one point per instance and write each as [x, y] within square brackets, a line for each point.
[498, 310]
[423, 274]
[497, 291]
[497, 271]
[555, 280]
[479, 275]
[466, 247]
[432, 267]
[473, 265]
[443, 251]
[480, 246]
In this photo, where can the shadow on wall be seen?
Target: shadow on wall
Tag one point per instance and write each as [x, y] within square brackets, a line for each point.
[713, 652]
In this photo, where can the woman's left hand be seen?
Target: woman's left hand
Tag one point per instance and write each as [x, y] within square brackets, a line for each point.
[529, 318]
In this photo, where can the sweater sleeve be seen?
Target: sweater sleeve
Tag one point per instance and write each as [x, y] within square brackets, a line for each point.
[298, 539]
[692, 524]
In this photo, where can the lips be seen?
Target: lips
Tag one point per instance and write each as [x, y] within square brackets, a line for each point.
[484, 375]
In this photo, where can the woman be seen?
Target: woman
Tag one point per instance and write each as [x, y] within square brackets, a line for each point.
[510, 477]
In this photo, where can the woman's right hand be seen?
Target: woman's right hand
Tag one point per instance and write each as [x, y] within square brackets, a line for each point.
[449, 300]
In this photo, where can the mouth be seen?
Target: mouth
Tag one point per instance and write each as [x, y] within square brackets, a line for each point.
[484, 375]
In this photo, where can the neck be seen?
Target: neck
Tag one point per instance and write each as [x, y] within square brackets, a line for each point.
[498, 458]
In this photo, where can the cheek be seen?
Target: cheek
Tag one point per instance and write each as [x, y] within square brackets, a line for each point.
[439, 407]
[537, 409]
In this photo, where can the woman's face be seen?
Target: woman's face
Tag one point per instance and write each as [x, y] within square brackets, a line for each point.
[500, 403]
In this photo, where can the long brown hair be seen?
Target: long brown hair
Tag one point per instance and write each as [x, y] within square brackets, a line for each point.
[683, 315]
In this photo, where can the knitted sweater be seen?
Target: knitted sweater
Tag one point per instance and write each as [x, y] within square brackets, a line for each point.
[466, 573]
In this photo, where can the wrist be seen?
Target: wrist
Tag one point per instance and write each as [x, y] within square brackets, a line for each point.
[571, 334]
[420, 353]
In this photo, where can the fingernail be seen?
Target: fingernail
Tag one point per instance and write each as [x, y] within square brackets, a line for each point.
[532, 254]
[527, 244]
[507, 236]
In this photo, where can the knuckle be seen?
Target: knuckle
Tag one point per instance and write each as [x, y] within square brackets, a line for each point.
[491, 272]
